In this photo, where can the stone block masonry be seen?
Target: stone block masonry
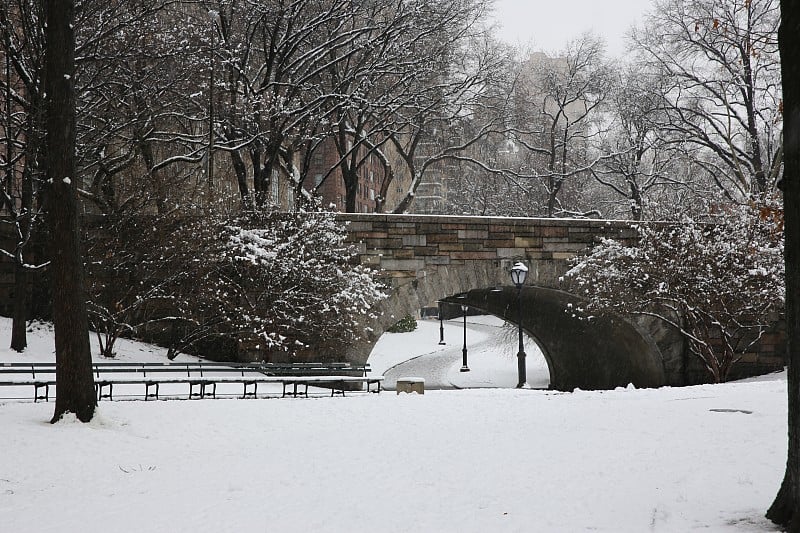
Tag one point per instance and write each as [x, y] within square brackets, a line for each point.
[405, 247]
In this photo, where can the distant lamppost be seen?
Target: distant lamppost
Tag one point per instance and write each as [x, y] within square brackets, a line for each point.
[464, 367]
[441, 325]
[518, 274]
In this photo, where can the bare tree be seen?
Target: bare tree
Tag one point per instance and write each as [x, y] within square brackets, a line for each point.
[556, 99]
[359, 88]
[454, 107]
[721, 57]
[22, 148]
[638, 155]
[421, 71]
[274, 55]
[142, 127]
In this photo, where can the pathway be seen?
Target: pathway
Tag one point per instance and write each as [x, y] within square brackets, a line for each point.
[489, 354]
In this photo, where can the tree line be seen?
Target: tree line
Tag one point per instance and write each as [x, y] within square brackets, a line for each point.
[689, 121]
[192, 102]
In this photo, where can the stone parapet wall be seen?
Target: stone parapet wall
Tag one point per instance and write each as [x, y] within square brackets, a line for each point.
[404, 247]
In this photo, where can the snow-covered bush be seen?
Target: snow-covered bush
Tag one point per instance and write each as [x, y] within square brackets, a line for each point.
[719, 284]
[287, 283]
[259, 283]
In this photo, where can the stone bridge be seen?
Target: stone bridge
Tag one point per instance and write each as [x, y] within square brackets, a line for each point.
[425, 259]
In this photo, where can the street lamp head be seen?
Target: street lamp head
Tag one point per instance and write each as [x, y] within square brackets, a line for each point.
[464, 308]
[518, 273]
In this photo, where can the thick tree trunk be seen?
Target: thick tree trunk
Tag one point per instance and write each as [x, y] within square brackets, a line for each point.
[75, 383]
[785, 510]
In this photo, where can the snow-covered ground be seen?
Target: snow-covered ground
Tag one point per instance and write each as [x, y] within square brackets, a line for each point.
[478, 460]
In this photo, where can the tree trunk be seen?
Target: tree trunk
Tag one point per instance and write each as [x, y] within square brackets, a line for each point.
[22, 278]
[241, 179]
[785, 510]
[350, 177]
[74, 379]
[146, 149]
[19, 323]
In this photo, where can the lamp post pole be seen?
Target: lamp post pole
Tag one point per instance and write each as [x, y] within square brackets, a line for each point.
[441, 325]
[464, 367]
[518, 274]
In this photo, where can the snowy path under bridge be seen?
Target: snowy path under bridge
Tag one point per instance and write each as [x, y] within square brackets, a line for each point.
[491, 355]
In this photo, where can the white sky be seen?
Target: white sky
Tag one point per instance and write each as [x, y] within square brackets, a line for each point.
[548, 24]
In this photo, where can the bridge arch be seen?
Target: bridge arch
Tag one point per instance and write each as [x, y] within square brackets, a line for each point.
[601, 353]
[424, 259]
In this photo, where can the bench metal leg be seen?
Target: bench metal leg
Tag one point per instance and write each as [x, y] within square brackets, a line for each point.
[294, 389]
[99, 386]
[341, 388]
[294, 392]
[253, 393]
[202, 389]
[147, 393]
[213, 389]
[37, 396]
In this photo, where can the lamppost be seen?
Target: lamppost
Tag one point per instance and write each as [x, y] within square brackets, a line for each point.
[518, 274]
[464, 367]
[441, 325]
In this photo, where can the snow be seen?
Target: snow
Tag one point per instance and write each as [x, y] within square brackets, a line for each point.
[478, 460]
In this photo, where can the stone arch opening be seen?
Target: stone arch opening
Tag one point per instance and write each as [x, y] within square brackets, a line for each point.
[601, 353]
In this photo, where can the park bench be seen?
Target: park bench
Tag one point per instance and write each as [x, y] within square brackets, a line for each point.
[201, 376]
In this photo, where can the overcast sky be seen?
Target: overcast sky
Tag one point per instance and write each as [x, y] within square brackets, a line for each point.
[549, 24]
